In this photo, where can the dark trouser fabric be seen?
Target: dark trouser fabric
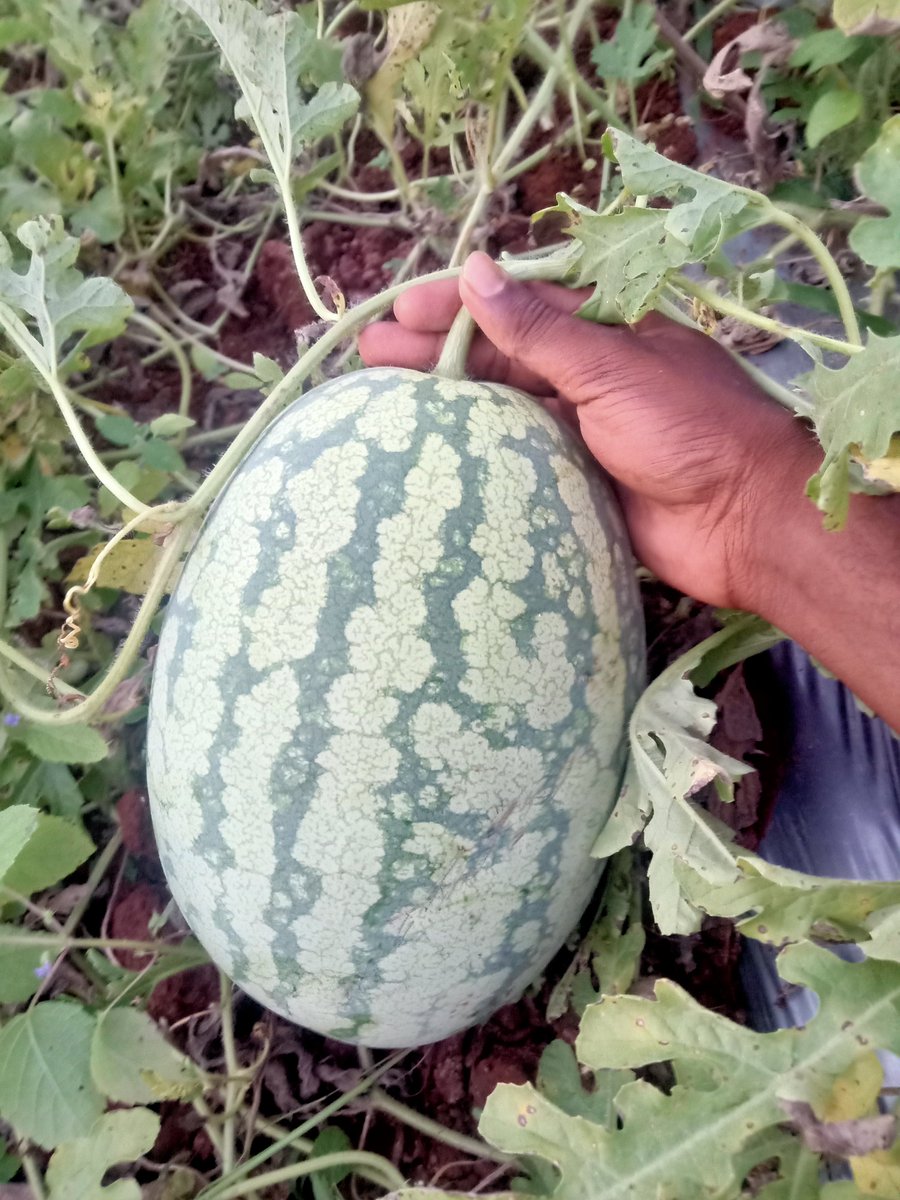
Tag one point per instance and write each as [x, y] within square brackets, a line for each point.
[837, 812]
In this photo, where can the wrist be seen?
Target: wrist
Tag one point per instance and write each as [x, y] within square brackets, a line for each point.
[782, 537]
[833, 592]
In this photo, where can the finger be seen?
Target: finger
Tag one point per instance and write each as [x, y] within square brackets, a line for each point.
[431, 307]
[389, 344]
[581, 360]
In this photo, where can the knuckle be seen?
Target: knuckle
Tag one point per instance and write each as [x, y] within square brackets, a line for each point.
[532, 321]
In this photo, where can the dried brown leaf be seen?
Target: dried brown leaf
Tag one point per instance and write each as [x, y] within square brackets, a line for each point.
[842, 1139]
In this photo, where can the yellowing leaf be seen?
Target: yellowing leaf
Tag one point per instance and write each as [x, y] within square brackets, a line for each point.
[409, 28]
[867, 16]
[878, 1174]
[885, 469]
[856, 408]
[129, 566]
[724, 1116]
[855, 1093]
[77, 1168]
[133, 1063]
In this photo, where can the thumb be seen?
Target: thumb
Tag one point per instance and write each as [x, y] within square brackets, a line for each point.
[582, 361]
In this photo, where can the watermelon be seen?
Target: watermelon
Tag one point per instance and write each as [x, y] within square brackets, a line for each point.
[389, 705]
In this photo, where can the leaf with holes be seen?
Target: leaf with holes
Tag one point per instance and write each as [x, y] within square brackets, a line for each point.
[77, 1167]
[670, 763]
[627, 256]
[714, 211]
[857, 413]
[723, 1116]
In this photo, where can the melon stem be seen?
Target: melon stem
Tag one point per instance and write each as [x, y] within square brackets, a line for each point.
[452, 362]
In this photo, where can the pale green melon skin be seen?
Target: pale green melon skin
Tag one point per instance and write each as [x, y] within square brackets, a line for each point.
[389, 705]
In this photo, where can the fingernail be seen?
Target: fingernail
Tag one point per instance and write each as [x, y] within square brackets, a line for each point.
[483, 276]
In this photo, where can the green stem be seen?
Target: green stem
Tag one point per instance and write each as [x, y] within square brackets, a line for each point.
[880, 288]
[823, 256]
[474, 215]
[88, 453]
[232, 1069]
[289, 387]
[170, 343]
[35, 670]
[546, 58]
[717, 10]
[731, 308]
[363, 220]
[113, 164]
[792, 401]
[296, 240]
[53, 941]
[340, 17]
[554, 67]
[455, 353]
[98, 871]
[209, 437]
[46, 365]
[33, 1175]
[380, 1101]
[295, 1136]
[78, 714]
[378, 1170]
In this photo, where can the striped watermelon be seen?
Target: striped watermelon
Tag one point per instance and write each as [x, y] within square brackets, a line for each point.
[389, 703]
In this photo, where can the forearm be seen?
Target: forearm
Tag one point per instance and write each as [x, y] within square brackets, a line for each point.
[835, 593]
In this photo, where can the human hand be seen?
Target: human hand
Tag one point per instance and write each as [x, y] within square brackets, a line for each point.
[702, 459]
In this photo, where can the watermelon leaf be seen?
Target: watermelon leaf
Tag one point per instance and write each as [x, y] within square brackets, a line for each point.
[790, 906]
[627, 256]
[51, 311]
[630, 55]
[272, 58]
[734, 1086]
[64, 743]
[857, 413]
[670, 763]
[77, 1167]
[715, 210]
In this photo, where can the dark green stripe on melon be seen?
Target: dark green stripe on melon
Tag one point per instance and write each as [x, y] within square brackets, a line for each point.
[388, 713]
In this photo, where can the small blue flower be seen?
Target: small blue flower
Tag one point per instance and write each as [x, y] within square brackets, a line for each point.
[11, 719]
[43, 970]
